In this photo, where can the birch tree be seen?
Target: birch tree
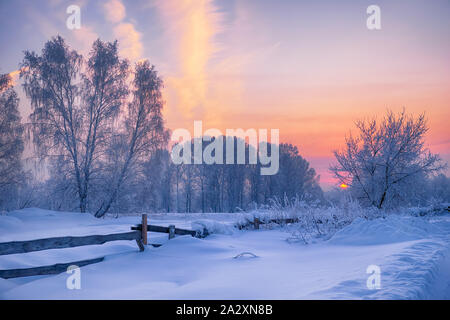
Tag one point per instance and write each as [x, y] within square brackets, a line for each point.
[11, 140]
[144, 129]
[73, 112]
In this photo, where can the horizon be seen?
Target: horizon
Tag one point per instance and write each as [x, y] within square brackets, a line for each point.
[307, 69]
[252, 153]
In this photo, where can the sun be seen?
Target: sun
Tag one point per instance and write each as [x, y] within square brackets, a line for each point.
[343, 186]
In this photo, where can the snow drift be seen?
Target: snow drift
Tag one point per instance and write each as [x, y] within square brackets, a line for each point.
[412, 253]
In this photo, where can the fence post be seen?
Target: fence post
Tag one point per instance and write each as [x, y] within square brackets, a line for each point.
[171, 231]
[256, 222]
[144, 229]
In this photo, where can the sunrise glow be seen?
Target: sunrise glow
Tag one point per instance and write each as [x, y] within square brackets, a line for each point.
[296, 67]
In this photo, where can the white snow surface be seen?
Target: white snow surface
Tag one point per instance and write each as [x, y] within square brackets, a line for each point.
[413, 254]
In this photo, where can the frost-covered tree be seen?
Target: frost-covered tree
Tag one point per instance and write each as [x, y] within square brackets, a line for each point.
[385, 158]
[439, 188]
[295, 177]
[144, 133]
[11, 141]
[106, 149]
[74, 106]
[97, 138]
[221, 187]
[154, 191]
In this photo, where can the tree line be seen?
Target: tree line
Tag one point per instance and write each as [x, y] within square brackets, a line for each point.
[103, 140]
[96, 127]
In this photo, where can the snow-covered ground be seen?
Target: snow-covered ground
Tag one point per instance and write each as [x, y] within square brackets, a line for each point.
[413, 254]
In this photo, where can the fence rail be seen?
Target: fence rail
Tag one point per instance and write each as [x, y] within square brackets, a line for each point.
[53, 269]
[138, 234]
[152, 228]
[257, 222]
[64, 242]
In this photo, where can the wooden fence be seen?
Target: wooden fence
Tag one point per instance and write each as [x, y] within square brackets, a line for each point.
[138, 234]
[257, 222]
[53, 269]
[64, 242]
[171, 230]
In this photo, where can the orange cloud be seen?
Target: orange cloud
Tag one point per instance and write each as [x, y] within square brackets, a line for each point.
[130, 44]
[114, 11]
[192, 25]
[15, 75]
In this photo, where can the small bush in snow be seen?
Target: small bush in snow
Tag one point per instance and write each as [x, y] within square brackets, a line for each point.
[308, 221]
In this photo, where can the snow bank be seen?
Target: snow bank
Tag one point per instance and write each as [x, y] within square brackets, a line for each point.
[409, 250]
[390, 229]
[207, 227]
[34, 223]
[6, 285]
[419, 271]
[436, 209]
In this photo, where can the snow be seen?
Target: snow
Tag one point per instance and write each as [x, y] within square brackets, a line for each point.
[390, 229]
[413, 254]
[213, 226]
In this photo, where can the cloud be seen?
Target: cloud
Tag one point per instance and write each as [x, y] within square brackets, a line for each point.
[84, 38]
[130, 44]
[14, 76]
[52, 23]
[114, 11]
[205, 81]
[191, 25]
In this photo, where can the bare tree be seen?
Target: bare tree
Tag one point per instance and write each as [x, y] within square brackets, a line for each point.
[384, 156]
[11, 142]
[73, 112]
[107, 150]
[144, 129]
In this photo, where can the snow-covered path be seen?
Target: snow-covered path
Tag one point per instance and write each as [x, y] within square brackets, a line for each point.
[414, 263]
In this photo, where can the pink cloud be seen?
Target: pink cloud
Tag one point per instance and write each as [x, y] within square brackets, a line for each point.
[130, 44]
[114, 11]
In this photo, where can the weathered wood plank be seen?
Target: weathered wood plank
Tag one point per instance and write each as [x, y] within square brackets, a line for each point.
[257, 222]
[53, 269]
[152, 228]
[171, 231]
[63, 242]
[144, 233]
[288, 220]
[140, 244]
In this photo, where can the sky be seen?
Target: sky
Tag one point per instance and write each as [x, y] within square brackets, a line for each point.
[307, 68]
